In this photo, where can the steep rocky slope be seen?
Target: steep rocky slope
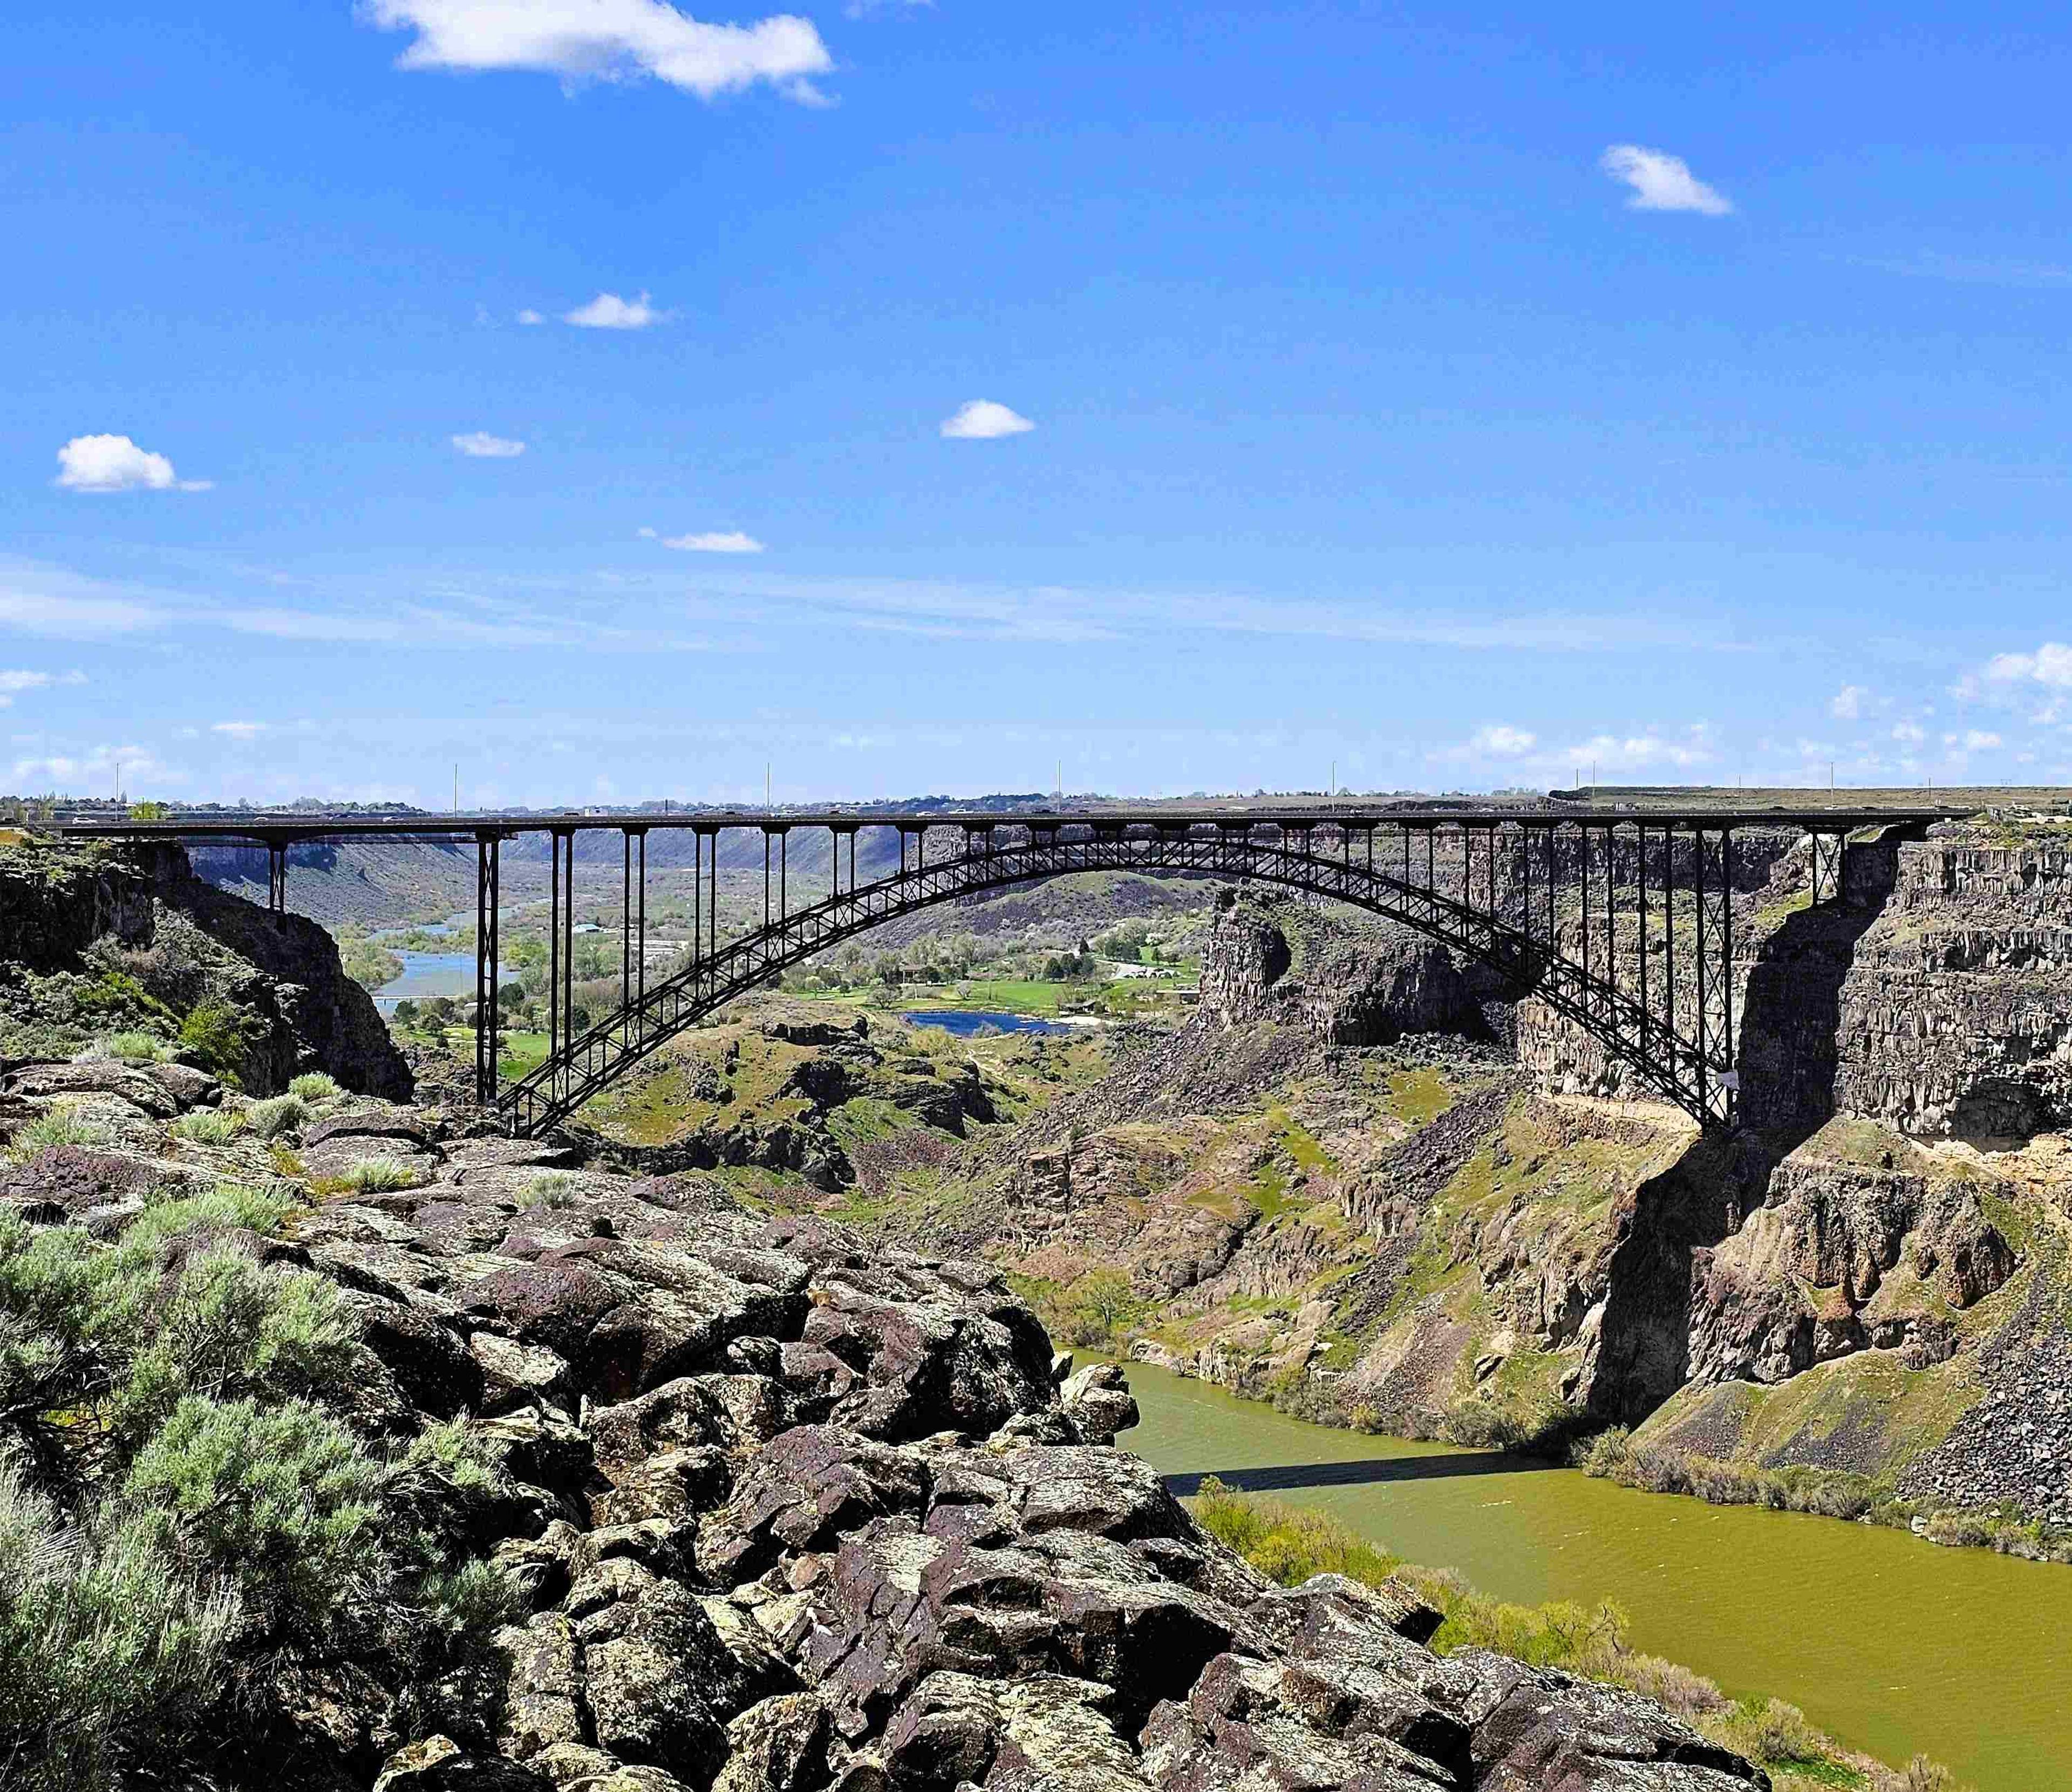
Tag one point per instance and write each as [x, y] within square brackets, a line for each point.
[97, 941]
[771, 1511]
[1338, 1186]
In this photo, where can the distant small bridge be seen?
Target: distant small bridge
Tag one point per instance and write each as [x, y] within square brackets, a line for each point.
[1583, 907]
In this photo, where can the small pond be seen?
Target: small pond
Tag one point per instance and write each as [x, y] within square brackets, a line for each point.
[965, 1022]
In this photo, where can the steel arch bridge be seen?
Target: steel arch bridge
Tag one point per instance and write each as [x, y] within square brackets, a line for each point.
[1620, 919]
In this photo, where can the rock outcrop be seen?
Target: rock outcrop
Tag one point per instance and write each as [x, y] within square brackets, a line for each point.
[1843, 1257]
[791, 1514]
[1954, 1020]
[1270, 957]
[95, 941]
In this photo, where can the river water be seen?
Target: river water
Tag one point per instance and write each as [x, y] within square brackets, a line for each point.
[428, 974]
[1894, 1645]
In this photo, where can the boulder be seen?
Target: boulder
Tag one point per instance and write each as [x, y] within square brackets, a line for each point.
[662, 1690]
[779, 1744]
[1097, 1401]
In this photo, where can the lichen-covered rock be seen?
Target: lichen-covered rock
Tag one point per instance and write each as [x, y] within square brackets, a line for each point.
[1097, 1401]
[779, 1512]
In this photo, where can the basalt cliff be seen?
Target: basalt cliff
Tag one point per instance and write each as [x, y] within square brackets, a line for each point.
[1367, 1182]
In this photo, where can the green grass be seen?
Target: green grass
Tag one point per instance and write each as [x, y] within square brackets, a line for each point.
[1419, 1096]
[1796, 903]
[1301, 1143]
[209, 1127]
[1267, 1190]
[281, 1114]
[62, 1124]
[370, 1176]
[1004, 995]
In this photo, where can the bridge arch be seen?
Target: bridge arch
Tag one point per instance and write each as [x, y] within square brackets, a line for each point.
[1688, 1060]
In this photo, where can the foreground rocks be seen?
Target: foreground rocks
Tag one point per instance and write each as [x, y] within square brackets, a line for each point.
[787, 1513]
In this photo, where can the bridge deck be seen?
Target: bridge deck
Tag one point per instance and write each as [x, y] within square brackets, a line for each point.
[289, 828]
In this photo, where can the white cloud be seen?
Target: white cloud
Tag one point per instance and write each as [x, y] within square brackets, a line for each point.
[479, 444]
[2050, 664]
[609, 311]
[1977, 740]
[529, 316]
[12, 682]
[1662, 182]
[2022, 275]
[238, 731]
[982, 420]
[729, 541]
[41, 600]
[1501, 741]
[645, 534]
[96, 768]
[115, 463]
[607, 40]
[1635, 752]
[1848, 702]
[1910, 732]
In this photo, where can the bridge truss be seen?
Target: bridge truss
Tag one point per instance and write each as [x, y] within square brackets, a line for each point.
[1621, 921]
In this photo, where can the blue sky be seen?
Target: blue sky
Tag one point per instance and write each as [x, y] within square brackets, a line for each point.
[924, 394]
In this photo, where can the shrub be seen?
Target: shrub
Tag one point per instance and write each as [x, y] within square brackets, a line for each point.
[282, 1114]
[209, 1125]
[1097, 1306]
[99, 1644]
[234, 1329]
[200, 1520]
[1289, 1543]
[313, 1086]
[171, 1213]
[216, 1034]
[139, 1048]
[551, 1188]
[278, 1501]
[1773, 1734]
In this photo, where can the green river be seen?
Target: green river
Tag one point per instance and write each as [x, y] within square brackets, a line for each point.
[1892, 1644]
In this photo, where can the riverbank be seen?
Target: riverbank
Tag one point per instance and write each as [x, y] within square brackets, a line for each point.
[1893, 1649]
[1292, 1544]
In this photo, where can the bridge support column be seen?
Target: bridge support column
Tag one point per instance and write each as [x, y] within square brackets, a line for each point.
[633, 919]
[1831, 862]
[277, 878]
[487, 854]
[560, 955]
